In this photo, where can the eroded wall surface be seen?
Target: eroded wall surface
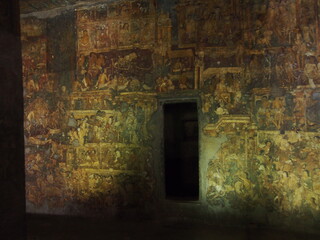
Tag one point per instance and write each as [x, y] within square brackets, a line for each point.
[93, 76]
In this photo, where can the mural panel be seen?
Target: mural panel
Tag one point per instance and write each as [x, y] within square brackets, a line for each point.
[208, 23]
[34, 56]
[124, 25]
[86, 138]
[127, 70]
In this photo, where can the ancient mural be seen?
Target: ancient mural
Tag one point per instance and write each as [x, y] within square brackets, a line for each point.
[254, 64]
[86, 138]
[264, 100]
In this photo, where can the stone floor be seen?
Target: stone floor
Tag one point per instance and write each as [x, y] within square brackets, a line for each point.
[75, 228]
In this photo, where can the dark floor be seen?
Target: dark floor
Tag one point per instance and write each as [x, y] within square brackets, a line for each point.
[69, 228]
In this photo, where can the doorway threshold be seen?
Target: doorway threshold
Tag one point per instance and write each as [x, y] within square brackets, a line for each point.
[183, 200]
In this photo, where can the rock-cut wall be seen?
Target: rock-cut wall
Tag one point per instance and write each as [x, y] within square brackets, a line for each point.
[93, 76]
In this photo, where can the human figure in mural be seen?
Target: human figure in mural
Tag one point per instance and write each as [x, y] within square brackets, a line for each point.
[93, 67]
[84, 39]
[311, 71]
[82, 64]
[299, 110]
[313, 111]
[102, 38]
[110, 133]
[263, 111]
[103, 80]
[86, 82]
[101, 62]
[43, 80]
[222, 86]
[183, 82]
[83, 130]
[129, 133]
[300, 49]
[286, 11]
[31, 86]
[277, 112]
[240, 50]
[114, 37]
[289, 69]
[164, 84]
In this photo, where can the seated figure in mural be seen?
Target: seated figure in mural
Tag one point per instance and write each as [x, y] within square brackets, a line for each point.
[84, 39]
[165, 84]
[103, 80]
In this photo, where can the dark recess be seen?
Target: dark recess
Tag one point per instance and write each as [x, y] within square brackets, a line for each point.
[181, 151]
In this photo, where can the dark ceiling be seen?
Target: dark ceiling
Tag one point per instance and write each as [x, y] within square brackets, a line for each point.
[28, 6]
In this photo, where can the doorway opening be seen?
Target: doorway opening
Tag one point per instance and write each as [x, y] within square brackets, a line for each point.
[181, 151]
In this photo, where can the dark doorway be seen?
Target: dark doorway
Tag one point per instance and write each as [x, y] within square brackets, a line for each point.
[181, 151]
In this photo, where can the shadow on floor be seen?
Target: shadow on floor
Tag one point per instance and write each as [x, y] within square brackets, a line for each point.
[42, 227]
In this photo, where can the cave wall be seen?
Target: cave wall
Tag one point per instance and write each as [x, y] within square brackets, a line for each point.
[12, 198]
[93, 78]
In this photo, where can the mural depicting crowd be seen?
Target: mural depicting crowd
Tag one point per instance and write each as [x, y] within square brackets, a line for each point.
[253, 58]
[279, 174]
